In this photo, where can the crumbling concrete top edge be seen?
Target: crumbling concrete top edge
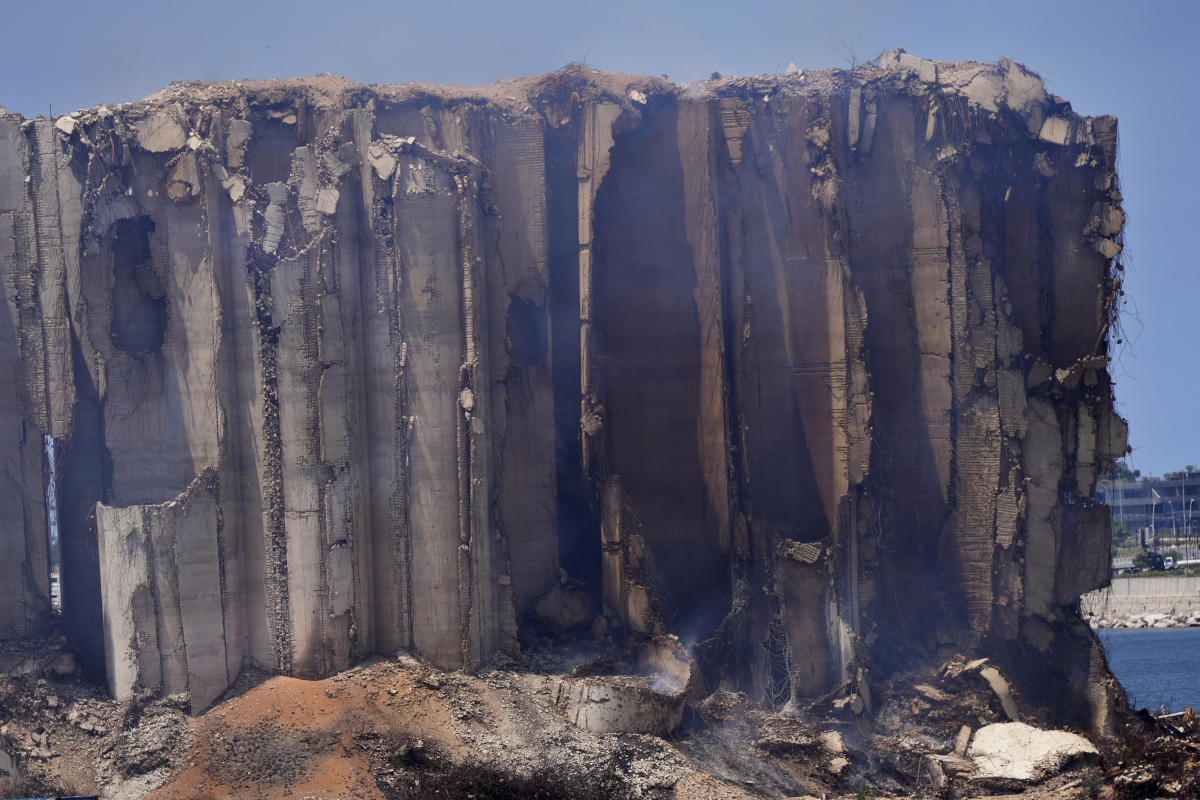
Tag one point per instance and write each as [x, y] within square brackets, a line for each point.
[991, 85]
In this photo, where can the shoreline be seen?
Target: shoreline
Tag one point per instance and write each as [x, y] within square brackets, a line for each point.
[1155, 601]
[1147, 621]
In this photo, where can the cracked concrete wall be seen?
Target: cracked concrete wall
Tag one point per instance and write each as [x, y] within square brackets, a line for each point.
[165, 597]
[24, 560]
[807, 369]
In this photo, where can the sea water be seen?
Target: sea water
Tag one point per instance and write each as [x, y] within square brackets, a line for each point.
[1157, 666]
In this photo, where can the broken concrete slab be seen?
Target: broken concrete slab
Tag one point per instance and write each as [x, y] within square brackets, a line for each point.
[184, 182]
[1019, 752]
[925, 69]
[962, 741]
[1002, 690]
[564, 607]
[1055, 130]
[1108, 248]
[382, 160]
[651, 700]
[327, 200]
[237, 140]
[620, 706]
[164, 597]
[833, 742]
[160, 133]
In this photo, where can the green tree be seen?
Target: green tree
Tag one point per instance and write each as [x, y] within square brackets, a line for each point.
[1120, 471]
[1141, 560]
[1119, 531]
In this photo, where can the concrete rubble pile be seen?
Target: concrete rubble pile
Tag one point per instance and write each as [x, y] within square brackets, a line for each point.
[385, 728]
[807, 371]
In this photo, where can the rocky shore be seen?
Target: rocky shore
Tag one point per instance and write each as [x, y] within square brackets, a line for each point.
[1147, 620]
[1164, 601]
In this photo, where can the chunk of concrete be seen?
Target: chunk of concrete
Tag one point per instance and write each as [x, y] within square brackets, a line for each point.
[925, 69]
[832, 742]
[1112, 220]
[1025, 93]
[1003, 693]
[235, 143]
[339, 163]
[932, 693]
[615, 705]
[327, 200]
[274, 217]
[160, 133]
[382, 160]
[650, 701]
[1055, 130]
[184, 183]
[889, 59]
[162, 595]
[235, 186]
[1108, 248]
[962, 740]
[564, 607]
[38, 744]
[1020, 752]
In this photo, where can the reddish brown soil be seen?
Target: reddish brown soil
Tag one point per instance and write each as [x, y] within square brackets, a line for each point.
[295, 738]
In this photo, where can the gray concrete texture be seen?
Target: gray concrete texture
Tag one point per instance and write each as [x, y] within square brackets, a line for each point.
[803, 368]
[1174, 595]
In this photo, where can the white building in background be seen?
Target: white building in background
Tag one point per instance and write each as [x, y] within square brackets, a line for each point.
[1163, 507]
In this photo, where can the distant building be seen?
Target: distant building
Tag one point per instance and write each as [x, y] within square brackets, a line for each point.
[1160, 506]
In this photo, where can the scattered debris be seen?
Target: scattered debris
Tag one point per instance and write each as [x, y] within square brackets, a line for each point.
[1003, 693]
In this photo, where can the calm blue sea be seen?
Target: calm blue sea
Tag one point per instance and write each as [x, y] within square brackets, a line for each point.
[1156, 666]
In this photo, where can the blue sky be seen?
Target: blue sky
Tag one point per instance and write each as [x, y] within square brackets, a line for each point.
[1134, 60]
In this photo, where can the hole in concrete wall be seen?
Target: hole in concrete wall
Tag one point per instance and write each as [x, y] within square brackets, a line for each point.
[805, 624]
[527, 334]
[85, 477]
[269, 156]
[779, 333]
[53, 546]
[578, 526]
[658, 438]
[907, 450]
[139, 318]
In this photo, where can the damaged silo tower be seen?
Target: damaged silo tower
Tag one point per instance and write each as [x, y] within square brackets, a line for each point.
[809, 370]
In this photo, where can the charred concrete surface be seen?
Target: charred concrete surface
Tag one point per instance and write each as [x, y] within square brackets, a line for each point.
[807, 370]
